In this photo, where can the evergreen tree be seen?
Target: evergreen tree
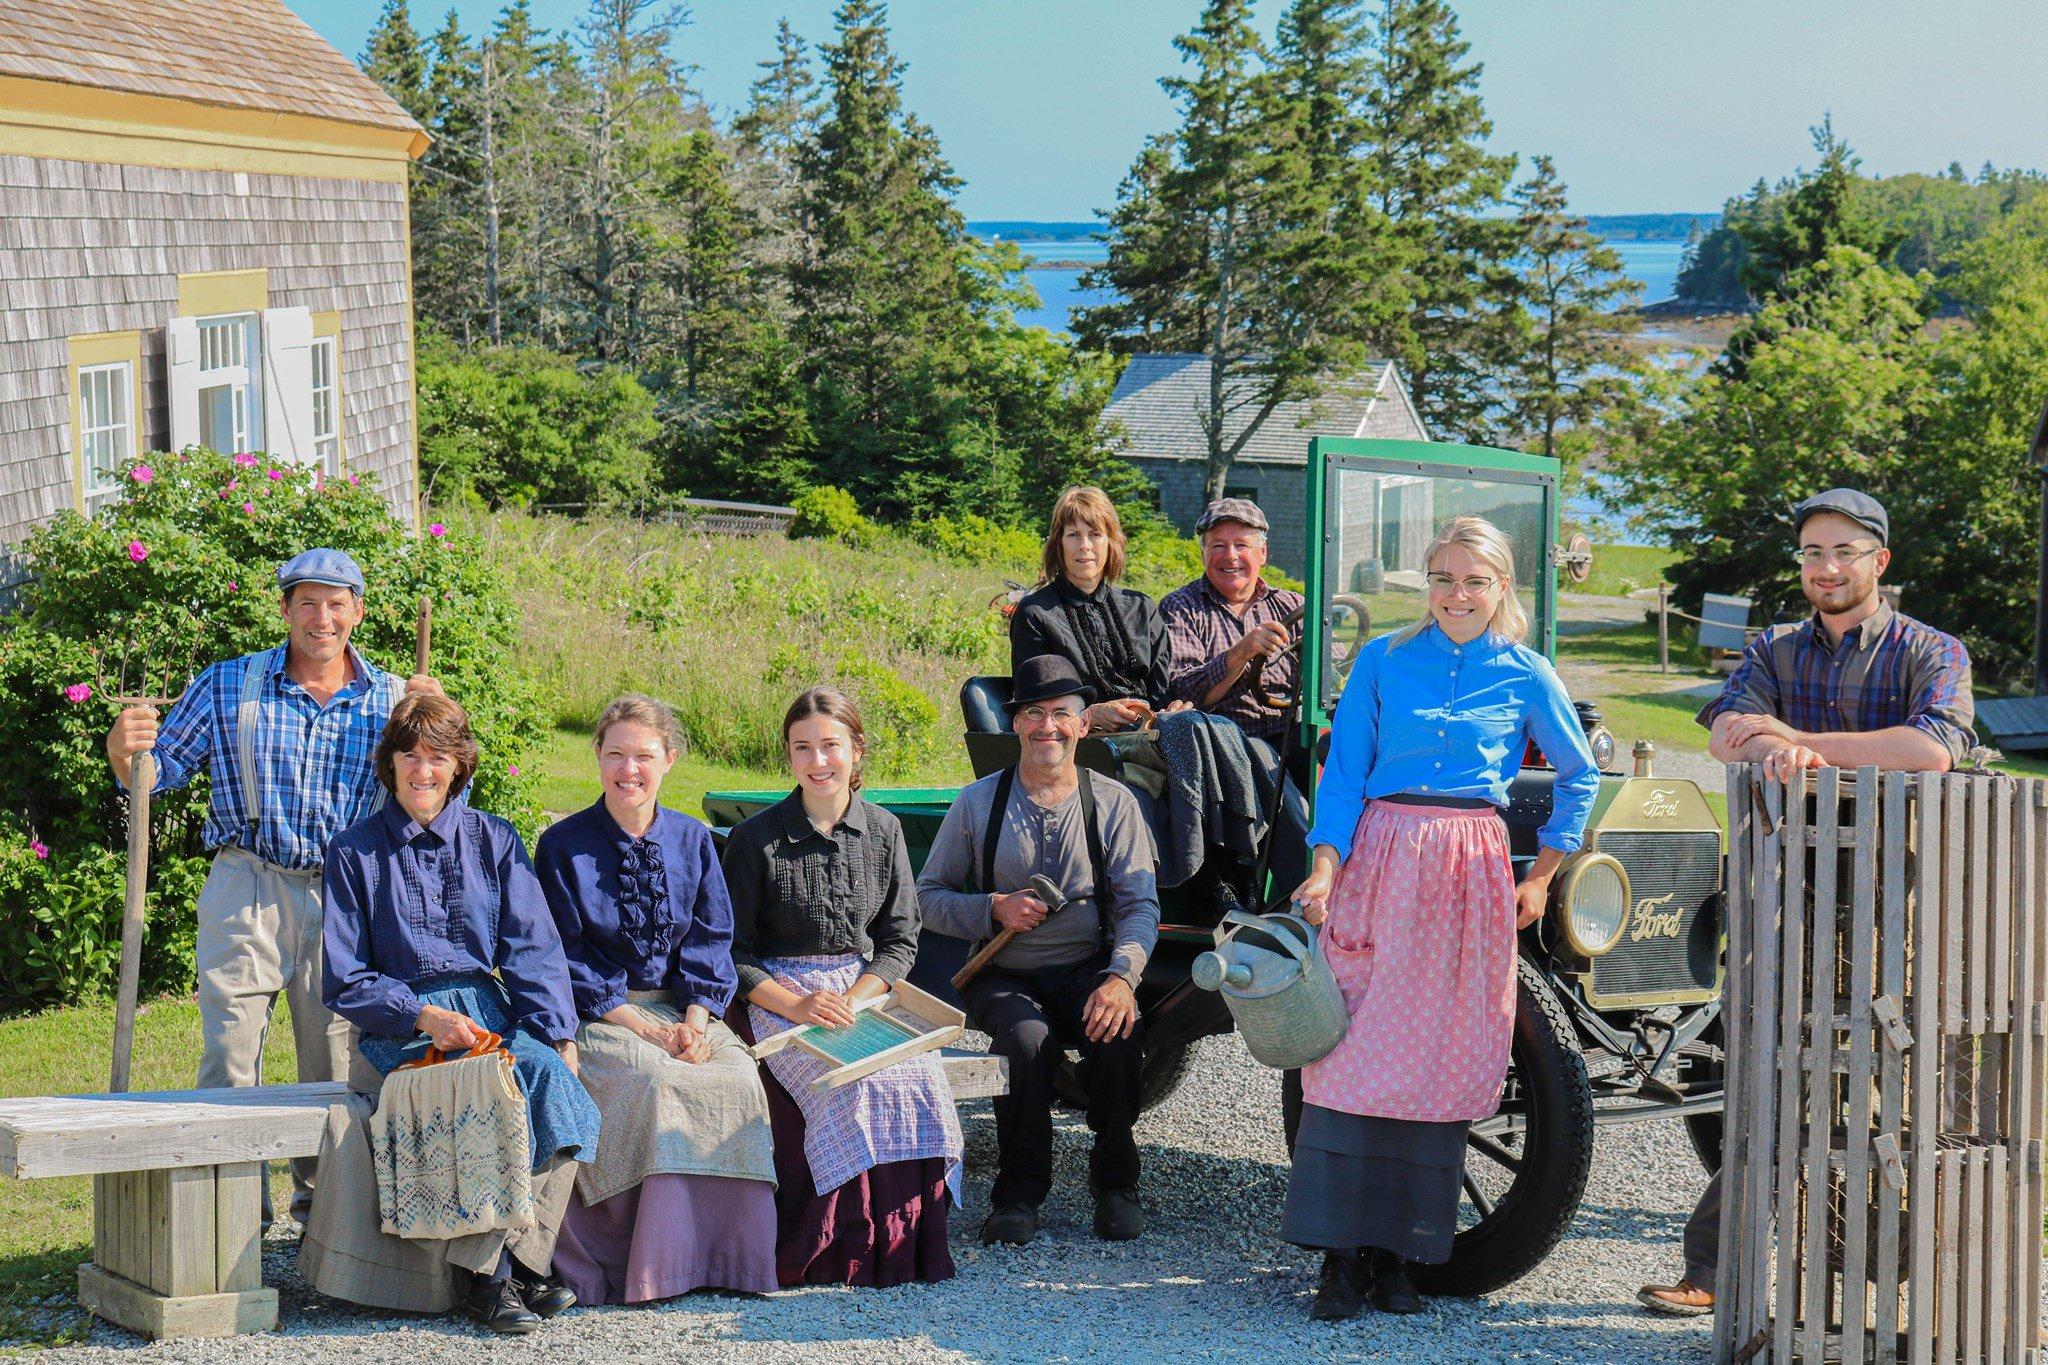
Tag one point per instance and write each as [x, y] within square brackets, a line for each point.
[1250, 236]
[1443, 191]
[394, 58]
[781, 115]
[1826, 208]
[636, 111]
[881, 295]
[1575, 363]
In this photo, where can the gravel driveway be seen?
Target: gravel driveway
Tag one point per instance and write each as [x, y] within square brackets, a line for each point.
[1208, 1280]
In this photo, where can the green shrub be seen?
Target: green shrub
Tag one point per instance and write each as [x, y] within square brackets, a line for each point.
[181, 573]
[827, 513]
[974, 539]
[518, 425]
[902, 723]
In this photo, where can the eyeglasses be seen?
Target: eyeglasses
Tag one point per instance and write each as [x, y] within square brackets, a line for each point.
[1812, 556]
[1034, 715]
[1443, 582]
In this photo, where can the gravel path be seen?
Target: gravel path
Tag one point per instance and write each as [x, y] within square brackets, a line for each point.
[1208, 1280]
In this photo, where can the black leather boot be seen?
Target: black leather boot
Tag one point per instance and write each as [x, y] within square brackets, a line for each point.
[1337, 1291]
[496, 1304]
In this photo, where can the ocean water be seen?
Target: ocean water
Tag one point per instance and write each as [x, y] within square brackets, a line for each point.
[1059, 286]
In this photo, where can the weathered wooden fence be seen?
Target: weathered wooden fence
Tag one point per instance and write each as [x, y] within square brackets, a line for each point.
[1887, 972]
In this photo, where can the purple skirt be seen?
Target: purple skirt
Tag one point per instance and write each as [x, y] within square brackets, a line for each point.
[884, 1227]
[668, 1235]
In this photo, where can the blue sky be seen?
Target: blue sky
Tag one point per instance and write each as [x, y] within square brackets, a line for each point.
[1648, 105]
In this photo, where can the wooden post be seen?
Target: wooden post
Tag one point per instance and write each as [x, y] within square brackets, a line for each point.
[425, 641]
[178, 1252]
[134, 913]
[1663, 627]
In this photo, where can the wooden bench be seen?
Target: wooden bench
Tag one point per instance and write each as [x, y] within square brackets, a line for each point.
[177, 1180]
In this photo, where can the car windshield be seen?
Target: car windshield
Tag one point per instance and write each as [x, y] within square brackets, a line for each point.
[1381, 523]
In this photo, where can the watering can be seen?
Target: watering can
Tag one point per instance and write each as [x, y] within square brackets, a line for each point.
[1278, 986]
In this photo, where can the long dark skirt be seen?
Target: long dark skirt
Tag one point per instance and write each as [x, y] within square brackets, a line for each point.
[1362, 1182]
[884, 1227]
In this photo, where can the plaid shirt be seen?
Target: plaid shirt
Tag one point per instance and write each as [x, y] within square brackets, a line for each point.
[313, 762]
[1201, 628]
[1887, 671]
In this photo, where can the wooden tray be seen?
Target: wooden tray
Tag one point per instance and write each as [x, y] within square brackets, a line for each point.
[886, 1029]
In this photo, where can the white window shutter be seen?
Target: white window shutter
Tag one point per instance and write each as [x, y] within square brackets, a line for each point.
[181, 364]
[288, 384]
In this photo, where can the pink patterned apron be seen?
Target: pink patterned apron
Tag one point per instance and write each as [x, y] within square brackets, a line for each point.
[1421, 936]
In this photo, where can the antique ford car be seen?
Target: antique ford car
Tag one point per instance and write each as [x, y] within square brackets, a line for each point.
[1619, 985]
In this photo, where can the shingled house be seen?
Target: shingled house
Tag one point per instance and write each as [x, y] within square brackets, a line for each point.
[204, 239]
[1156, 410]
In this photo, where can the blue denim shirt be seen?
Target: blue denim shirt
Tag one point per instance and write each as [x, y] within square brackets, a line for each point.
[645, 914]
[407, 903]
[1440, 719]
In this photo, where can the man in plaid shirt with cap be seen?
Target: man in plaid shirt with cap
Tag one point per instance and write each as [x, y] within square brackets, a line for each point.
[1856, 684]
[286, 736]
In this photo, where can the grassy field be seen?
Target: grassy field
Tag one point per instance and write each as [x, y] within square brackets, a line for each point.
[1620, 569]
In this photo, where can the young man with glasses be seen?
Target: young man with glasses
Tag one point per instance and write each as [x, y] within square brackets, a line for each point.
[1068, 977]
[1856, 684]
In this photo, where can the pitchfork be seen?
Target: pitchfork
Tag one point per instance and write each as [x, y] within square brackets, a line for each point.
[141, 779]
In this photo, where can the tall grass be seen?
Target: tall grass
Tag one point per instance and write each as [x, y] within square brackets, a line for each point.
[728, 629]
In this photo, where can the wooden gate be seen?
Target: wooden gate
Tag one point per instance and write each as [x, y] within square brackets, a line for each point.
[1887, 968]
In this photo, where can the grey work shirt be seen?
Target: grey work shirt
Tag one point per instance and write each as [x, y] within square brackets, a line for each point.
[1049, 841]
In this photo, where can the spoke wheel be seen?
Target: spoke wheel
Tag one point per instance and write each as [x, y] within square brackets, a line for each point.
[1526, 1167]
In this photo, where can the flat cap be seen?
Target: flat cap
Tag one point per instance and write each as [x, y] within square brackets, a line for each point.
[1231, 509]
[331, 567]
[1858, 507]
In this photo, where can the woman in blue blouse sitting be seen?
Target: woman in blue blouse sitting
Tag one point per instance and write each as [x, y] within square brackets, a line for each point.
[436, 933]
[1420, 909]
[682, 1194]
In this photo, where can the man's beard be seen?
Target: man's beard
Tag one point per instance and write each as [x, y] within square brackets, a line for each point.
[1836, 601]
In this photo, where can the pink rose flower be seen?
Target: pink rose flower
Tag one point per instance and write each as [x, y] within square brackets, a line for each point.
[437, 530]
[245, 458]
[234, 484]
[39, 848]
[137, 551]
[233, 586]
[511, 770]
[142, 473]
[353, 479]
[274, 473]
[250, 508]
[78, 692]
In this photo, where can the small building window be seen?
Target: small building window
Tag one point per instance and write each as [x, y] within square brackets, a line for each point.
[106, 430]
[326, 405]
[224, 347]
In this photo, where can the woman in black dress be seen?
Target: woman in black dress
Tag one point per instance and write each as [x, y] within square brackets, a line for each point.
[1113, 636]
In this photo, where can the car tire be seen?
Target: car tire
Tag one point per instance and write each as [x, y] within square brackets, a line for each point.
[1531, 1216]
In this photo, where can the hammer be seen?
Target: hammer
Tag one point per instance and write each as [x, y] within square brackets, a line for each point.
[1054, 903]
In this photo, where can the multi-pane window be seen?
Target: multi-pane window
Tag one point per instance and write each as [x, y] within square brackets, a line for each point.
[106, 430]
[326, 406]
[224, 348]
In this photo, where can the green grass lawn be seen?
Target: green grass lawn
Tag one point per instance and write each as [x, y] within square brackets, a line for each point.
[1620, 569]
[46, 1225]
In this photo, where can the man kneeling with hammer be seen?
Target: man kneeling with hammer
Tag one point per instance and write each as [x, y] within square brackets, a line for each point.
[1068, 977]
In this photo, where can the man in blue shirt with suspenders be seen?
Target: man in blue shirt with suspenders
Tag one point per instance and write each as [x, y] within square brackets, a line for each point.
[286, 736]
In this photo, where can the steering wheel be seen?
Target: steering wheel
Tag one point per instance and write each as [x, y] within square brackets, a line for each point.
[1344, 649]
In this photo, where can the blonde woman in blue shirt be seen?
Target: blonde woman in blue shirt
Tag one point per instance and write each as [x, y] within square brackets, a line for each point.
[1420, 908]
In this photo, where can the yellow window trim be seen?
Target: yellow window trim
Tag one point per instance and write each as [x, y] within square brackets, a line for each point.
[101, 348]
[70, 122]
[204, 293]
[328, 325]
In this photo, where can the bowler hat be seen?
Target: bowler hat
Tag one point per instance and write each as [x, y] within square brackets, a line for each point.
[1044, 677]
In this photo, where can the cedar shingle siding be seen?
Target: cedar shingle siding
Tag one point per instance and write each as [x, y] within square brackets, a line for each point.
[1155, 412]
[88, 247]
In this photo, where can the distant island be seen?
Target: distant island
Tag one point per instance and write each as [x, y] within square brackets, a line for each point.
[1615, 227]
